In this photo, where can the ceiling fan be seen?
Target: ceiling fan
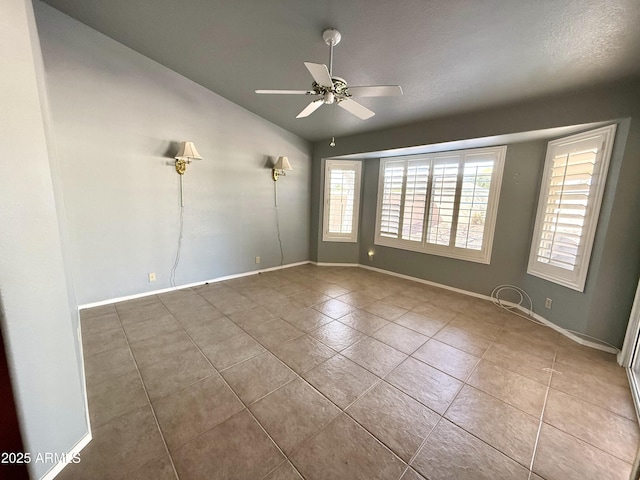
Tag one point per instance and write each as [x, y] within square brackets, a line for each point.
[331, 89]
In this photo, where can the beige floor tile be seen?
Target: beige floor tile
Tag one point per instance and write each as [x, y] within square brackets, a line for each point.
[103, 342]
[186, 413]
[411, 474]
[107, 366]
[467, 342]
[142, 312]
[233, 303]
[400, 338]
[236, 449]
[138, 331]
[100, 323]
[476, 326]
[161, 347]
[258, 376]
[334, 308]
[182, 301]
[397, 420]
[303, 353]
[386, 310]
[294, 413]
[197, 315]
[231, 350]
[404, 301]
[493, 417]
[512, 388]
[331, 290]
[309, 297]
[592, 361]
[451, 453]
[340, 380]
[531, 366]
[124, 444]
[357, 299]
[364, 322]
[89, 313]
[157, 469]
[375, 356]
[502, 426]
[285, 307]
[212, 331]
[594, 389]
[577, 461]
[450, 360]
[584, 420]
[252, 317]
[526, 344]
[275, 332]
[337, 335]
[426, 384]
[285, 471]
[433, 312]
[115, 397]
[175, 373]
[307, 319]
[421, 323]
[344, 450]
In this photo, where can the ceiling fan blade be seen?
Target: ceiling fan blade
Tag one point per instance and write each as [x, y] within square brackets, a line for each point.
[358, 110]
[376, 91]
[309, 109]
[287, 92]
[320, 74]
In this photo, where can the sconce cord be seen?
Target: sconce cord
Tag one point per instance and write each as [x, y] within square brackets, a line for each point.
[279, 238]
[172, 277]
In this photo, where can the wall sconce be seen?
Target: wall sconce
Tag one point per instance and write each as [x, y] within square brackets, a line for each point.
[279, 168]
[370, 253]
[186, 153]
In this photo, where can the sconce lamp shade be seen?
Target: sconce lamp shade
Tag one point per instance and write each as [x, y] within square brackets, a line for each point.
[188, 151]
[282, 164]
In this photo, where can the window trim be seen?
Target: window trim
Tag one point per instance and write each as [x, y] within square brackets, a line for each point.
[356, 166]
[577, 278]
[479, 256]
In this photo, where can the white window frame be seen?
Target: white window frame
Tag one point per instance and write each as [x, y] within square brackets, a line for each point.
[355, 166]
[479, 256]
[575, 279]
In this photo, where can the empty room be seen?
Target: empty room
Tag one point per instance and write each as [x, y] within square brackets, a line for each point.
[285, 240]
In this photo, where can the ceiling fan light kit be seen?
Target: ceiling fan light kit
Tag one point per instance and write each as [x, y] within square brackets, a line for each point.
[331, 89]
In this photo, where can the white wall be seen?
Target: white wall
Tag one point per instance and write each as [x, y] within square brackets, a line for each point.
[115, 116]
[37, 308]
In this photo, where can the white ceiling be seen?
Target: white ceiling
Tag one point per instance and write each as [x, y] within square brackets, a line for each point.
[449, 56]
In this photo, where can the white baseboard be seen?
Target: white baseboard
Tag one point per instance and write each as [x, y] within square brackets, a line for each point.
[77, 448]
[188, 285]
[335, 264]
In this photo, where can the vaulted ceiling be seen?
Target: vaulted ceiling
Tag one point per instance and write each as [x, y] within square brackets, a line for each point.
[449, 56]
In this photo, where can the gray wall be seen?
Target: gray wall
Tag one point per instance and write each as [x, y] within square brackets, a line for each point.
[37, 304]
[603, 309]
[117, 118]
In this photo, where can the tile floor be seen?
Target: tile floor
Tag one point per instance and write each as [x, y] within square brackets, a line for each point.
[344, 373]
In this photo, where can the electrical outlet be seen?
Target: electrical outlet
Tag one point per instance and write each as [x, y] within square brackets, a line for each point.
[547, 303]
[152, 277]
[257, 259]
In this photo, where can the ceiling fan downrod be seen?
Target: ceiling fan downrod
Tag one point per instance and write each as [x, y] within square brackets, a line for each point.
[331, 37]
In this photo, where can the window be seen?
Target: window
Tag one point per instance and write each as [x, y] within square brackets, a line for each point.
[341, 201]
[442, 204]
[573, 182]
